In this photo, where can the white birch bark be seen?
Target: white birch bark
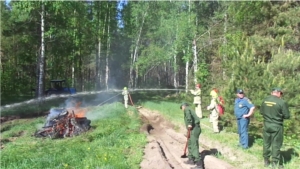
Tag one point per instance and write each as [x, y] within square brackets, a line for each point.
[136, 76]
[42, 56]
[134, 54]
[195, 61]
[98, 59]
[108, 49]
[186, 76]
[224, 43]
[175, 71]
[186, 73]
[98, 51]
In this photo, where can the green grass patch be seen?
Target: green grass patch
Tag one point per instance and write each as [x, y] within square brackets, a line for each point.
[113, 142]
[229, 136]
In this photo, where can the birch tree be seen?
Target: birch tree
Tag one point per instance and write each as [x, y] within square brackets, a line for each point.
[139, 14]
[42, 55]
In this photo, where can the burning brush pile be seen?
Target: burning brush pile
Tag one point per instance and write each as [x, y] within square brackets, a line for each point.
[65, 122]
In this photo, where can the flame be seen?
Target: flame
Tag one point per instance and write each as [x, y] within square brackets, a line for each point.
[78, 111]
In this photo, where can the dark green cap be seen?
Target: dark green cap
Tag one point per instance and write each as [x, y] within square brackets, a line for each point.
[183, 104]
[277, 89]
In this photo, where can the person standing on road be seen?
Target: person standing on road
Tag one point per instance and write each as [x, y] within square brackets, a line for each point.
[197, 100]
[274, 110]
[192, 123]
[125, 93]
[214, 115]
[243, 109]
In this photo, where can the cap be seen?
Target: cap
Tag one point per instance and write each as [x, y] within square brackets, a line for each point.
[183, 104]
[125, 88]
[277, 89]
[240, 91]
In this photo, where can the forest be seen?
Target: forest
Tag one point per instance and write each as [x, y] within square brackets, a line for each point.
[101, 45]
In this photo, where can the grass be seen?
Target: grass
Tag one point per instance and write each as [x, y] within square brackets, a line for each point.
[113, 142]
[171, 111]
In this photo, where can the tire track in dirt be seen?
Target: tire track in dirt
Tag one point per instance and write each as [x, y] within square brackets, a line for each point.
[165, 145]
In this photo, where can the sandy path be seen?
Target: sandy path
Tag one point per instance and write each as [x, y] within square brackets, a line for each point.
[166, 146]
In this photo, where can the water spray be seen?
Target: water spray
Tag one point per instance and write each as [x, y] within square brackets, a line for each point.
[54, 97]
[108, 99]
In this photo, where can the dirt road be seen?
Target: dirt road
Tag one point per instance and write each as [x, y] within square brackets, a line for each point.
[166, 146]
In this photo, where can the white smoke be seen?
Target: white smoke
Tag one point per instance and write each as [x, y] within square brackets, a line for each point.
[39, 126]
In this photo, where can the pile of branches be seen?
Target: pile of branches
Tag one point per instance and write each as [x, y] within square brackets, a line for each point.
[61, 123]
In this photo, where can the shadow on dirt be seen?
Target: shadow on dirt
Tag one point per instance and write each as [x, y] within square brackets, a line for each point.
[253, 138]
[288, 154]
[149, 127]
[212, 151]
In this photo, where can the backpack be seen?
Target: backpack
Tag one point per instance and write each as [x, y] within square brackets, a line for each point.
[220, 105]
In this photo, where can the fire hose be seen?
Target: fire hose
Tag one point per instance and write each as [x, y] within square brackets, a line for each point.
[130, 99]
[109, 99]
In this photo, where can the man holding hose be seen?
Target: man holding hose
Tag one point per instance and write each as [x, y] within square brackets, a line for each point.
[125, 93]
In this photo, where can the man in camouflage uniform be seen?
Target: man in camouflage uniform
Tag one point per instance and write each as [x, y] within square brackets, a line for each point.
[192, 123]
[274, 110]
[214, 115]
[125, 93]
[197, 100]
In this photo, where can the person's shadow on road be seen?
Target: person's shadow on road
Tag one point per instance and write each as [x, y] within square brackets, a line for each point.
[288, 154]
[212, 151]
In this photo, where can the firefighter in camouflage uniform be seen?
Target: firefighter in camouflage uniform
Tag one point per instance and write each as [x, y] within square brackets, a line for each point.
[274, 110]
[197, 100]
[192, 123]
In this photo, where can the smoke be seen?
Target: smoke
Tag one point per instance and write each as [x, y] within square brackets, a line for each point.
[39, 126]
[105, 98]
[96, 115]
[100, 100]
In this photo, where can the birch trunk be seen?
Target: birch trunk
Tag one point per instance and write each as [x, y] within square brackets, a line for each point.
[195, 61]
[134, 54]
[72, 67]
[131, 71]
[98, 57]
[186, 76]
[107, 67]
[175, 72]
[42, 56]
[108, 49]
[136, 76]
[98, 51]
[224, 43]
[186, 73]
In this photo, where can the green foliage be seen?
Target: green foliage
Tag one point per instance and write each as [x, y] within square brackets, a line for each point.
[203, 72]
[113, 142]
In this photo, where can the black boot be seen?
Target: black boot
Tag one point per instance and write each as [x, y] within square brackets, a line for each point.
[199, 165]
[266, 162]
[190, 161]
[276, 165]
